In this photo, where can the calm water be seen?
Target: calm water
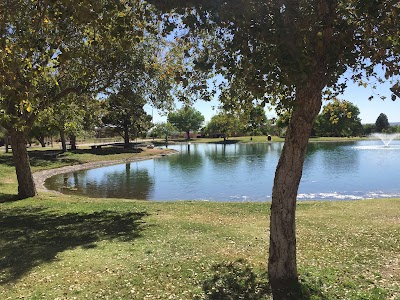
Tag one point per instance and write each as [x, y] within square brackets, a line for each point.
[244, 172]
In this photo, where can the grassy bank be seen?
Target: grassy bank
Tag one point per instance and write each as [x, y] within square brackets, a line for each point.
[263, 139]
[63, 247]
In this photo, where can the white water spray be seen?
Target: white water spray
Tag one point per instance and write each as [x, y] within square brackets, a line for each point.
[385, 137]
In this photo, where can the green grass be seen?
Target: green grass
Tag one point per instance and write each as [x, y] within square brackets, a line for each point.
[65, 247]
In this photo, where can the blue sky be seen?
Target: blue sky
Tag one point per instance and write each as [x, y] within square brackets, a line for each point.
[358, 95]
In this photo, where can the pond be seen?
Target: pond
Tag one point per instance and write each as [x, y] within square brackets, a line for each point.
[243, 172]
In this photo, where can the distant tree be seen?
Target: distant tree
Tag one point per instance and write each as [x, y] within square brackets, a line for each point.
[125, 113]
[282, 122]
[223, 124]
[382, 123]
[338, 118]
[256, 121]
[42, 128]
[164, 130]
[186, 119]
[368, 128]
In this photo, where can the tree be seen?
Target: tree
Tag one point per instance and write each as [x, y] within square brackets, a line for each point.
[42, 128]
[382, 123]
[186, 119]
[149, 82]
[368, 128]
[164, 130]
[256, 121]
[338, 118]
[223, 124]
[291, 54]
[125, 113]
[51, 49]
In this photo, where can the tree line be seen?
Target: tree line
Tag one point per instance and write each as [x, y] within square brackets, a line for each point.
[126, 117]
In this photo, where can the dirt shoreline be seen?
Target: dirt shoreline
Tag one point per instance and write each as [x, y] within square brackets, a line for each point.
[39, 177]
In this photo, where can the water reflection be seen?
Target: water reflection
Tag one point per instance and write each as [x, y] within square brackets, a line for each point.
[331, 158]
[188, 159]
[241, 172]
[123, 181]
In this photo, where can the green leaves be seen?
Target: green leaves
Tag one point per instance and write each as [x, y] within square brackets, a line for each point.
[52, 49]
[268, 49]
[186, 119]
[338, 118]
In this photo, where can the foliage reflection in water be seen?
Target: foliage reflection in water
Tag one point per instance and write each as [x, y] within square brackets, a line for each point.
[242, 172]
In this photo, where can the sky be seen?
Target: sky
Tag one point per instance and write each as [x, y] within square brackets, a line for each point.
[358, 95]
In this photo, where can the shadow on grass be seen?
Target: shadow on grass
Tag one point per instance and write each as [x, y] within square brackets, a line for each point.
[237, 280]
[8, 197]
[32, 236]
[6, 160]
[108, 151]
[46, 158]
[227, 142]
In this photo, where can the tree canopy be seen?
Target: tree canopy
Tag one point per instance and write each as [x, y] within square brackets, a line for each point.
[224, 124]
[186, 119]
[164, 130]
[124, 112]
[382, 123]
[338, 118]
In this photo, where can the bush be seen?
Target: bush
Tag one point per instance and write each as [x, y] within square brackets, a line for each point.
[236, 280]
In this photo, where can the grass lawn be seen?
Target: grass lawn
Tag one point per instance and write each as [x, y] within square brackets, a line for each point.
[64, 247]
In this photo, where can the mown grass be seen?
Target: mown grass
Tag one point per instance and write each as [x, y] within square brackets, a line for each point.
[66, 247]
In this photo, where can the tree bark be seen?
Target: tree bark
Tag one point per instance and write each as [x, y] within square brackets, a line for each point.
[7, 143]
[72, 140]
[126, 136]
[63, 141]
[282, 270]
[26, 185]
[41, 141]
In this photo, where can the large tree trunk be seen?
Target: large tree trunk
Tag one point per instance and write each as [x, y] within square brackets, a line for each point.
[26, 185]
[282, 269]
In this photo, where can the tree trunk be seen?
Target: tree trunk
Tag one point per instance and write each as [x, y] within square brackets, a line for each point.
[41, 141]
[126, 137]
[188, 135]
[7, 143]
[63, 142]
[72, 140]
[26, 185]
[282, 269]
